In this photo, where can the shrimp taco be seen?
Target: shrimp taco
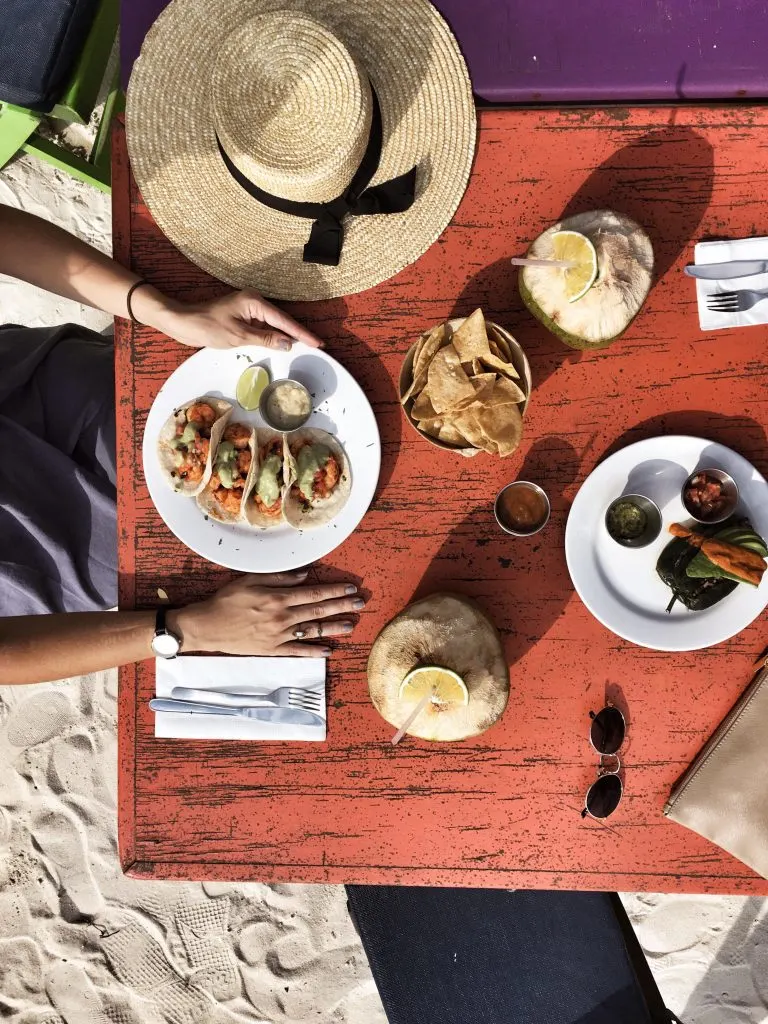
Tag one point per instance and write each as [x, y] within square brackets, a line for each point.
[266, 487]
[222, 496]
[319, 477]
[186, 441]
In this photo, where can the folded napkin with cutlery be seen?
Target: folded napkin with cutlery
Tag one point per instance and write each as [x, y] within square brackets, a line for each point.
[725, 252]
[244, 677]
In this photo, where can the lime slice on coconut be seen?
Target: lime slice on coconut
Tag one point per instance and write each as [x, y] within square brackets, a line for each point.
[250, 386]
[587, 311]
[577, 248]
[445, 686]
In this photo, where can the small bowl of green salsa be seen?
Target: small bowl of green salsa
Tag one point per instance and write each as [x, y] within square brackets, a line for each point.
[633, 520]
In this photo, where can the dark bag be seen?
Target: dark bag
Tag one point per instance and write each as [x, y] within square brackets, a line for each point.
[40, 42]
[489, 956]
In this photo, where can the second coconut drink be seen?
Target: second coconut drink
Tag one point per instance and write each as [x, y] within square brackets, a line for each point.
[602, 276]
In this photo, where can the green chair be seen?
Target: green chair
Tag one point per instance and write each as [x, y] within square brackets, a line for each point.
[18, 125]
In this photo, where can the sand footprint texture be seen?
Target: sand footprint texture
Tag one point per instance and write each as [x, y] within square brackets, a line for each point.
[82, 944]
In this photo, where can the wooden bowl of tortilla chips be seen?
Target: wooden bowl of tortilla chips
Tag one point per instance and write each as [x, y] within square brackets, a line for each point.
[465, 386]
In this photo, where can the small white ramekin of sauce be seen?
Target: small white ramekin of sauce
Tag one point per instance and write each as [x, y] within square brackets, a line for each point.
[285, 405]
[522, 508]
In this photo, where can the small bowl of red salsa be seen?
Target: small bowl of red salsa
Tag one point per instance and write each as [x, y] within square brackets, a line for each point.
[710, 495]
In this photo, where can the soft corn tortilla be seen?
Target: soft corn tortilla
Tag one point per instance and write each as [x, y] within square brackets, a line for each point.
[326, 509]
[250, 511]
[166, 454]
[205, 498]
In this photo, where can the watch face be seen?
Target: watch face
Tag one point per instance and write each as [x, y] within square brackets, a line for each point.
[165, 645]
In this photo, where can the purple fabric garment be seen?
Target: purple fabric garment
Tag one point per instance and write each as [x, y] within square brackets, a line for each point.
[58, 528]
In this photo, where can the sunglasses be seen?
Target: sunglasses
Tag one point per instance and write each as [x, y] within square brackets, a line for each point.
[606, 736]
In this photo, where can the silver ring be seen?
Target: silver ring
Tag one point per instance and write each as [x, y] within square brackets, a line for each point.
[299, 634]
[320, 630]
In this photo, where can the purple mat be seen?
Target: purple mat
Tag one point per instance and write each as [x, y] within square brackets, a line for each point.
[550, 51]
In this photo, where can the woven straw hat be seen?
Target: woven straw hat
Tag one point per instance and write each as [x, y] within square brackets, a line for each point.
[242, 112]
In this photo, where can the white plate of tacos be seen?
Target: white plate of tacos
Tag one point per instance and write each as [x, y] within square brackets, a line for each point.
[243, 495]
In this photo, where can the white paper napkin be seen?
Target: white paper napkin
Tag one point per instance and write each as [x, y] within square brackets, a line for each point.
[723, 252]
[227, 673]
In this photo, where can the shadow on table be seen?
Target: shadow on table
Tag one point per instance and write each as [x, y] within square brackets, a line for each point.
[372, 375]
[746, 436]
[476, 556]
[329, 322]
[663, 180]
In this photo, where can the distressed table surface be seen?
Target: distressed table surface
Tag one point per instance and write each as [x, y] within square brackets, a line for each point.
[502, 809]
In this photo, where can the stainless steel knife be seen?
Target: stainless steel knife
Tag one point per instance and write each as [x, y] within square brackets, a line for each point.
[724, 271]
[280, 716]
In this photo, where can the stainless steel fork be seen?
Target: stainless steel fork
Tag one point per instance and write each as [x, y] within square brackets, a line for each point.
[734, 302]
[282, 697]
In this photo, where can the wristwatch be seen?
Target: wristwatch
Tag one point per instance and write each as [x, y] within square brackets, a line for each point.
[165, 644]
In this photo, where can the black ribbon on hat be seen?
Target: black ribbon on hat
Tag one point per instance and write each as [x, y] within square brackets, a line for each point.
[326, 237]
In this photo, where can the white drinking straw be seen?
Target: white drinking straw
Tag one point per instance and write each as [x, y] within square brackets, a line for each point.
[523, 261]
[411, 718]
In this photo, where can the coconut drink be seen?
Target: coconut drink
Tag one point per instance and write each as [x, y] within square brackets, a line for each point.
[443, 655]
[590, 303]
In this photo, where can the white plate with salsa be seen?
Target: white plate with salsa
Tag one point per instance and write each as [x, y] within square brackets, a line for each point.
[619, 585]
[339, 407]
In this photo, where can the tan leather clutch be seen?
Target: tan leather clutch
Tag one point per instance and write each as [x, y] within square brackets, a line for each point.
[724, 793]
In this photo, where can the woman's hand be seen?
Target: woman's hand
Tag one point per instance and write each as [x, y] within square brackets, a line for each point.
[267, 615]
[44, 255]
[240, 318]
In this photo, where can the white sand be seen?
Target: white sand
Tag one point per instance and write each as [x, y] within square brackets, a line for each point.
[81, 944]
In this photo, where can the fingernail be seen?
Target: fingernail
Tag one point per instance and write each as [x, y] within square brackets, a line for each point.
[350, 589]
[347, 626]
[284, 346]
[358, 604]
[301, 572]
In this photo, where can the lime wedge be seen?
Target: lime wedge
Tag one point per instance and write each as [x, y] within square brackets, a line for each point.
[250, 386]
[573, 246]
[445, 686]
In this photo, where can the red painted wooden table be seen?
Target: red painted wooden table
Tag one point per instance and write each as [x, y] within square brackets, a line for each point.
[501, 809]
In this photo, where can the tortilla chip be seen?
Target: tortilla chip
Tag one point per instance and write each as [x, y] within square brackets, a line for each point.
[507, 369]
[417, 386]
[505, 392]
[422, 408]
[471, 340]
[450, 435]
[478, 400]
[431, 427]
[503, 425]
[481, 380]
[467, 423]
[447, 384]
[495, 350]
[496, 335]
[417, 348]
[435, 340]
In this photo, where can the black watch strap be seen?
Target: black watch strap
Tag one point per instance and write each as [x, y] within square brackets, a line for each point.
[160, 626]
